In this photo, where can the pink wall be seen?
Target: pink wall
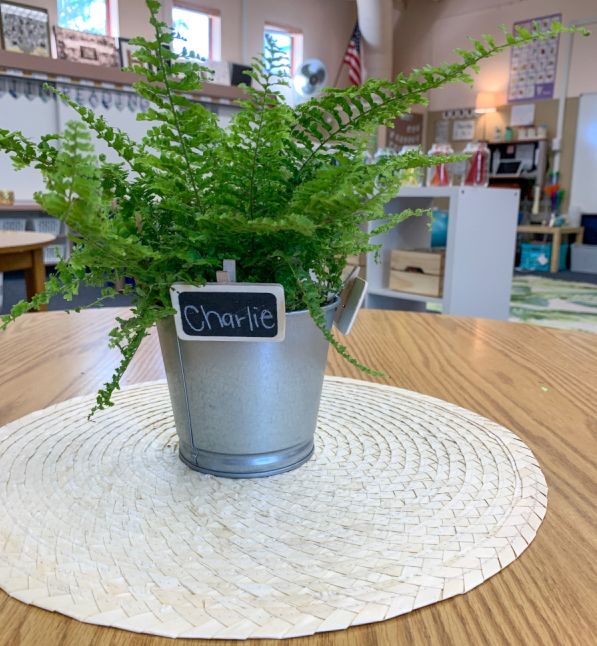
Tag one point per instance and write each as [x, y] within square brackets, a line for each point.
[326, 26]
[231, 15]
[427, 32]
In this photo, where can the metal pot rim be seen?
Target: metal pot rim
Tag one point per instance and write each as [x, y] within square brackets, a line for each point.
[325, 308]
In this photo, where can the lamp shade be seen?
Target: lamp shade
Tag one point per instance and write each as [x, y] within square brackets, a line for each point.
[485, 102]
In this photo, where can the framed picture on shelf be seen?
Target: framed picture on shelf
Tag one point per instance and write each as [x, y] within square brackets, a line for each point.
[82, 47]
[24, 29]
[127, 51]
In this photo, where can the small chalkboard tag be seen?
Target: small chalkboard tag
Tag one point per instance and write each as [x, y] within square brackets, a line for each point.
[351, 299]
[229, 312]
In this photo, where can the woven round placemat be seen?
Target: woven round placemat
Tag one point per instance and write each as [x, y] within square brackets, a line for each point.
[408, 500]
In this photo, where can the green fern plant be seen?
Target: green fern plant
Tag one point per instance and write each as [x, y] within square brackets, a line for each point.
[283, 190]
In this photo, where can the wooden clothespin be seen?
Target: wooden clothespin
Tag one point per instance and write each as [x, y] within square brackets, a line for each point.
[227, 273]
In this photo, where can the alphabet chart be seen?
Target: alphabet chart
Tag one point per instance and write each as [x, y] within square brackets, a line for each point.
[533, 66]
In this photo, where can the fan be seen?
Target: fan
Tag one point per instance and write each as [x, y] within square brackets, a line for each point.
[310, 78]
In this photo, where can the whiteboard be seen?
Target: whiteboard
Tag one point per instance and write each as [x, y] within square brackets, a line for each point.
[583, 190]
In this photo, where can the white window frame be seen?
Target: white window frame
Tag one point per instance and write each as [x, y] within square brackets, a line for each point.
[296, 42]
[215, 25]
[112, 26]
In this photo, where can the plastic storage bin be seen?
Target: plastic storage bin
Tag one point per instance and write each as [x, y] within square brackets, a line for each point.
[12, 224]
[439, 228]
[53, 253]
[46, 225]
[584, 258]
[589, 222]
[537, 256]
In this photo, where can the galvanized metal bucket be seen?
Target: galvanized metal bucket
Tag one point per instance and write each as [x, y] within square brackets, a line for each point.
[247, 409]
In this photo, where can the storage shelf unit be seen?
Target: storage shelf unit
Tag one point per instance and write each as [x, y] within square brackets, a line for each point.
[479, 251]
[533, 153]
[509, 151]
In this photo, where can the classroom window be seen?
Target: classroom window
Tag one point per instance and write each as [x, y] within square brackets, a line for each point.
[196, 31]
[291, 44]
[85, 15]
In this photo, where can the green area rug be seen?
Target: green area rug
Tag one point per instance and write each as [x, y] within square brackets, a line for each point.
[554, 303]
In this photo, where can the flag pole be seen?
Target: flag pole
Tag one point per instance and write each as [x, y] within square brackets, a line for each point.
[339, 72]
[343, 59]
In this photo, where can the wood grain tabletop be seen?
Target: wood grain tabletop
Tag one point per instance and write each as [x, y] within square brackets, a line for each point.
[17, 241]
[540, 383]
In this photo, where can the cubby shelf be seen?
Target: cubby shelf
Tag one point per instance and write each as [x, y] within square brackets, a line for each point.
[480, 246]
[406, 296]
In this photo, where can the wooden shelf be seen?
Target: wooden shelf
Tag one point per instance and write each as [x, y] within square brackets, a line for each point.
[532, 176]
[547, 230]
[429, 191]
[515, 142]
[54, 68]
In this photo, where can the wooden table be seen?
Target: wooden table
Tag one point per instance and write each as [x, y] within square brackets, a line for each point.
[24, 250]
[538, 382]
[556, 234]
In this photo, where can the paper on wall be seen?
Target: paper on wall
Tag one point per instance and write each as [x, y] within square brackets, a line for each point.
[523, 115]
[463, 130]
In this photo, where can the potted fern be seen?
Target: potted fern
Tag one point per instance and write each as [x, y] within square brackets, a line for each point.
[282, 191]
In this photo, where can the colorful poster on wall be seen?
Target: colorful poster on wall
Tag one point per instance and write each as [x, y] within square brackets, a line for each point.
[533, 66]
[407, 131]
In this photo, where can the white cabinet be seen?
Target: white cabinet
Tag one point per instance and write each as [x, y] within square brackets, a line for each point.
[479, 251]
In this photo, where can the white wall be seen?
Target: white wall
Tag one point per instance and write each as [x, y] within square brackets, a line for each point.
[326, 26]
[34, 118]
[427, 32]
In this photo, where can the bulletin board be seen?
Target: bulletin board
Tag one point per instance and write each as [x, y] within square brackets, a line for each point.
[533, 66]
[407, 131]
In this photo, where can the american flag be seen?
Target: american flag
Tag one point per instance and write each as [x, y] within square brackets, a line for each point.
[353, 56]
